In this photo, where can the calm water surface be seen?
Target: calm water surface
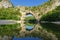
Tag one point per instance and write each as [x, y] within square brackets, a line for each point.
[48, 26]
[27, 38]
[55, 28]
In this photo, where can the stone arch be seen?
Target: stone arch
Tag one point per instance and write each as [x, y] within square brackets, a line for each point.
[34, 15]
[30, 12]
[24, 13]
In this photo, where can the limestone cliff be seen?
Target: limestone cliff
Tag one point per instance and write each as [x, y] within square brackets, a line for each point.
[5, 4]
[38, 11]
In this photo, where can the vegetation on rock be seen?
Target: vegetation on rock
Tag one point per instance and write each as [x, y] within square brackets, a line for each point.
[53, 15]
[9, 14]
[9, 29]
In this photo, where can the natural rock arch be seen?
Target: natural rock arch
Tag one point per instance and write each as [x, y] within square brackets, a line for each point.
[29, 13]
[24, 14]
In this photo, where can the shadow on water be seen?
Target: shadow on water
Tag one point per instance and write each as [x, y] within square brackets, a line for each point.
[51, 27]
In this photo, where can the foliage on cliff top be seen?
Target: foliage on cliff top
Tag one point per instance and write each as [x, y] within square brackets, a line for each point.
[9, 14]
[38, 8]
[53, 15]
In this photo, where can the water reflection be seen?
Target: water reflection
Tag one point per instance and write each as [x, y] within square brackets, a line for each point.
[30, 21]
[27, 38]
[53, 28]
[8, 31]
[46, 31]
[29, 27]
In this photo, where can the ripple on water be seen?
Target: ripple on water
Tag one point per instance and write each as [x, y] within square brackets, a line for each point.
[27, 38]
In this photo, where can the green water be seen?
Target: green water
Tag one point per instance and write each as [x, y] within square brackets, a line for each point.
[12, 30]
[54, 28]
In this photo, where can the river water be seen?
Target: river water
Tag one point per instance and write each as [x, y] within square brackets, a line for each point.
[39, 31]
[34, 31]
[49, 27]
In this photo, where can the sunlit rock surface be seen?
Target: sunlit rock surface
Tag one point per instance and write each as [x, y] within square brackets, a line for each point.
[37, 10]
[5, 4]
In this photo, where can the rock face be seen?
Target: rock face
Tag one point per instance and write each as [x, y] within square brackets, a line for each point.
[44, 9]
[5, 4]
[38, 11]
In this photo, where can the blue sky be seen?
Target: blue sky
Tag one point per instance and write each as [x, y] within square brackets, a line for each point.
[27, 2]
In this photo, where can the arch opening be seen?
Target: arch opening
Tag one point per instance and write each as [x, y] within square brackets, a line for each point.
[29, 14]
[30, 21]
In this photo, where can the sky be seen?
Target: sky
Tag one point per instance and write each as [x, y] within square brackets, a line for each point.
[27, 2]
